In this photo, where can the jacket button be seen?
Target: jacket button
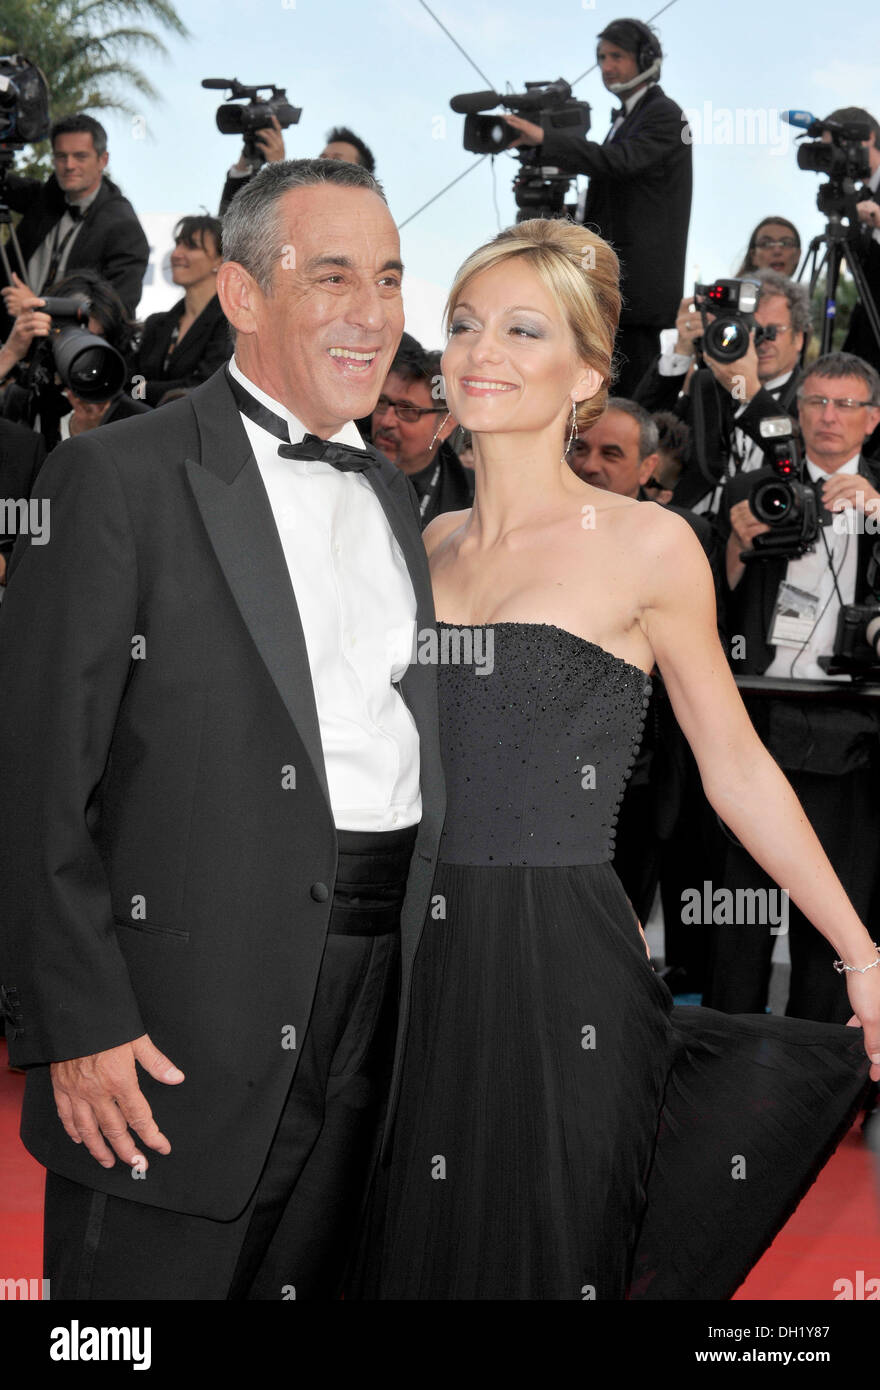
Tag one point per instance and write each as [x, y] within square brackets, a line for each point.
[320, 892]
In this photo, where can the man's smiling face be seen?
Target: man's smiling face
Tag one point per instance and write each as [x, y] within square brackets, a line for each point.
[322, 341]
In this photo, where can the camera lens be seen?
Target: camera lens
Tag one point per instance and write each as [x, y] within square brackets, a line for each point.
[771, 503]
[727, 339]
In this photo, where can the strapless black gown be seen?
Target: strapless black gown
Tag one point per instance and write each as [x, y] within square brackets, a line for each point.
[563, 1131]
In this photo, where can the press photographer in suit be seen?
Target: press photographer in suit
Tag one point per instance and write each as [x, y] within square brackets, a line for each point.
[220, 862]
[830, 751]
[737, 395]
[639, 196]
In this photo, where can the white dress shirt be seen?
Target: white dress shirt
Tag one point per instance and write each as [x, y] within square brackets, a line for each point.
[358, 613]
[812, 572]
[41, 257]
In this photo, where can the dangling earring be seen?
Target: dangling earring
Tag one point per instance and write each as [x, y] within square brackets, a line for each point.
[571, 431]
[440, 426]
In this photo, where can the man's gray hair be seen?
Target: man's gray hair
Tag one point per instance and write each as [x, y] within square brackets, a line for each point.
[795, 292]
[649, 435]
[837, 364]
[253, 233]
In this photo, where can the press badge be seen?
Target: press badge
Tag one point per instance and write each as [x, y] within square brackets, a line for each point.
[794, 616]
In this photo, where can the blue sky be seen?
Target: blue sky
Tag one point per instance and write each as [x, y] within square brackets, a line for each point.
[386, 69]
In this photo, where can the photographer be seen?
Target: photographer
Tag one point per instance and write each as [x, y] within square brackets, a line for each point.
[754, 387]
[37, 397]
[785, 612]
[411, 425]
[639, 196]
[78, 219]
[342, 143]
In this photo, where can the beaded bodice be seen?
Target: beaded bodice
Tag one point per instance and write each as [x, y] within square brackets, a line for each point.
[537, 742]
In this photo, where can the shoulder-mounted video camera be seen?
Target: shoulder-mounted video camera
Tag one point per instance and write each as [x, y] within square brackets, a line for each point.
[24, 102]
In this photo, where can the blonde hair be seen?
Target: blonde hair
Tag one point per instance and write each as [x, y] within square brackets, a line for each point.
[581, 272]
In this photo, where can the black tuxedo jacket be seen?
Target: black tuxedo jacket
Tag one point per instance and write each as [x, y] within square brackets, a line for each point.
[860, 338]
[205, 346]
[110, 241]
[160, 874]
[639, 199]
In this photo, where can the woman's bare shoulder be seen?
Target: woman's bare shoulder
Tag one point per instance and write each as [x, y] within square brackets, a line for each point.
[441, 527]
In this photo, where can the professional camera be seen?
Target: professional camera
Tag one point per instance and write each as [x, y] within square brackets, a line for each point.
[844, 160]
[857, 640]
[732, 304]
[256, 114]
[539, 190]
[24, 102]
[780, 496]
[87, 364]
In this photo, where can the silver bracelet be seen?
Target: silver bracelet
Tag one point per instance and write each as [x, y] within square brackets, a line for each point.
[859, 969]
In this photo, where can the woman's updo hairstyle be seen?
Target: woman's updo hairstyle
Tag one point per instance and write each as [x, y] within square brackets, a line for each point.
[581, 272]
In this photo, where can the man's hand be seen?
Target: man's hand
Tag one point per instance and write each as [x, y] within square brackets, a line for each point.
[689, 326]
[739, 378]
[869, 212]
[744, 527]
[271, 143]
[843, 491]
[86, 415]
[29, 324]
[531, 134]
[15, 295]
[98, 1098]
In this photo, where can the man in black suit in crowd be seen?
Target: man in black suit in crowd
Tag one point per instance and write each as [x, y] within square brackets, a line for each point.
[733, 397]
[342, 143]
[412, 424]
[830, 751]
[639, 196]
[78, 219]
[227, 785]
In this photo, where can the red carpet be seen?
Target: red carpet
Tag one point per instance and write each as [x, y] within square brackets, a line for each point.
[834, 1234]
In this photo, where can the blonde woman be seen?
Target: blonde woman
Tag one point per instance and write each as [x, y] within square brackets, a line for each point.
[562, 1132]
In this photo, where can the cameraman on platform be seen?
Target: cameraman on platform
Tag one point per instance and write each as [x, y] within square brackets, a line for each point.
[859, 339]
[781, 615]
[639, 196]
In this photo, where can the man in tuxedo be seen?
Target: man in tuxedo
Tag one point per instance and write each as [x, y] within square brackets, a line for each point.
[227, 785]
[726, 403]
[639, 196]
[829, 749]
[77, 220]
[411, 425]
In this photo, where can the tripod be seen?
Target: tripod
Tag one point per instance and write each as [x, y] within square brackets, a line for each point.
[838, 239]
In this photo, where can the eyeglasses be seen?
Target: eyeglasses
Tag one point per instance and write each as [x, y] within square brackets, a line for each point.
[785, 243]
[839, 403]
[408, 413]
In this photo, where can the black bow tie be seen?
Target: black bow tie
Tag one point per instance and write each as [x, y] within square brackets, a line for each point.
[618, 111]
[342, 456]
[345, 457]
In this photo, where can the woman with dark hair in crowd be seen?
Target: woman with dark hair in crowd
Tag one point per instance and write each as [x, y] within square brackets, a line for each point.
[48, 406]
[186, 344]
[561, 1130]
[775, 244]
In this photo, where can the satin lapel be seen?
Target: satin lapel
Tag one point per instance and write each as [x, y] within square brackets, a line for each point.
[229, 491]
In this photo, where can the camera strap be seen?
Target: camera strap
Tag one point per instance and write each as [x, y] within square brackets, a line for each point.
[77, 218]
